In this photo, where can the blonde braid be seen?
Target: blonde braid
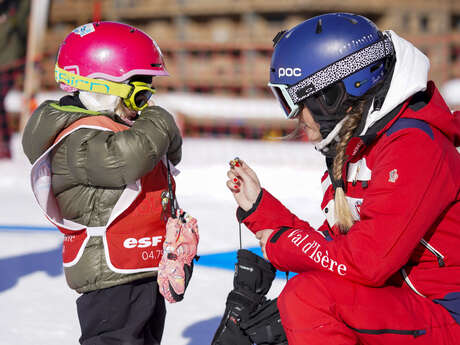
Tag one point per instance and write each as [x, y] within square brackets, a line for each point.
[342, 209]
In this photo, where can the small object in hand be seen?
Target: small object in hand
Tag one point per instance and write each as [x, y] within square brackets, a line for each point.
[164, 200]
[235, 162]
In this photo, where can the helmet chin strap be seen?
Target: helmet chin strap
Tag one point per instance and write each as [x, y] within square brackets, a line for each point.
[327, 145]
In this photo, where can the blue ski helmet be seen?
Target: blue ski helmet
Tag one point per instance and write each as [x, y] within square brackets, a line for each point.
[326, 60]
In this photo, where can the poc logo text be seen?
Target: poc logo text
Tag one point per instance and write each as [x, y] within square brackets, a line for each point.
[289, 72]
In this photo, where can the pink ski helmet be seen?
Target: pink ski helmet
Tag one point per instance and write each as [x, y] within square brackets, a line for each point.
[111, 51]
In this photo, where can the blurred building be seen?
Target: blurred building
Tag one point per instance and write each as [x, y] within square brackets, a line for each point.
[223, 47]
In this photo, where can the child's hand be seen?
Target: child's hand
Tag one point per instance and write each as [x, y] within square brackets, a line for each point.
[243, 183]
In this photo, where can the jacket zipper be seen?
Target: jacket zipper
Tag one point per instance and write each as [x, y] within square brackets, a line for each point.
[409, 283]
[415, 333]
[436, 253]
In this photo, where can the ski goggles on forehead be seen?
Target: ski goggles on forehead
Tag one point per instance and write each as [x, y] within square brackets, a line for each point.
[289, 107]
[135, 94]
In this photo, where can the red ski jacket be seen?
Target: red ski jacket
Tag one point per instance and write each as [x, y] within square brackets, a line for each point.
[403, 186]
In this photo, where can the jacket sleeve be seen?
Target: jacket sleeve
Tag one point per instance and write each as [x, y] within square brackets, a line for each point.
[395, 215]
[270, 213]
[114, 159]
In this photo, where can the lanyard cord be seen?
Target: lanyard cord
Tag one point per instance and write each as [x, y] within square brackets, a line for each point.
[171, 196]
[239, 228]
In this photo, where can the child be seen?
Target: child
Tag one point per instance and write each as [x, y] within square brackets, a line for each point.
[100, 174]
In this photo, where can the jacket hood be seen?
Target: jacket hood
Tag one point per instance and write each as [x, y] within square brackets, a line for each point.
[409, 77]
[438, 115]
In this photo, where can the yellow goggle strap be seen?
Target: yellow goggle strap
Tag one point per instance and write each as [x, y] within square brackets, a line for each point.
[92, 85]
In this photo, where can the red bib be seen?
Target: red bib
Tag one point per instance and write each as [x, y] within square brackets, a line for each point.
[133, 237]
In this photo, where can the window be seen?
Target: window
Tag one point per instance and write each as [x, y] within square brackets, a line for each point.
[424, 22]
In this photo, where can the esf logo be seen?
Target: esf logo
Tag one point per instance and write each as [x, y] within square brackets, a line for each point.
[289, 72]
[143, 242]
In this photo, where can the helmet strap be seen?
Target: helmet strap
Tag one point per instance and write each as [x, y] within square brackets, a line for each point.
[340, 69]
[328, 145]
[90, 84]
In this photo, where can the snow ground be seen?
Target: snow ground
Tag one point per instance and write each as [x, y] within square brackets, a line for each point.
[37, 307]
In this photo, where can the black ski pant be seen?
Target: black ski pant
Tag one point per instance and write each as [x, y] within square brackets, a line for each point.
[129, 314]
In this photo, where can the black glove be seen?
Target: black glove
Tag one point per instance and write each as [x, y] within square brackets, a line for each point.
[240, 303]
[253, 273]
[264, 325]
[231, 335]
[253, 278]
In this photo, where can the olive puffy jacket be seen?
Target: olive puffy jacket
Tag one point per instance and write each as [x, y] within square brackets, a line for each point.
[90, 169]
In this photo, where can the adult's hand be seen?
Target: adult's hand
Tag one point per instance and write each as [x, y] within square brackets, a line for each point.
[243, 183]
[263, 236]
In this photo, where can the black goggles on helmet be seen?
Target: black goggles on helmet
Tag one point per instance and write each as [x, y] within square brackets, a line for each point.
[329, 106]
[329, 101]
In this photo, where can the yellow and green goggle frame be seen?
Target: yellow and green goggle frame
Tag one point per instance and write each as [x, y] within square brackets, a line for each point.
[135, 94]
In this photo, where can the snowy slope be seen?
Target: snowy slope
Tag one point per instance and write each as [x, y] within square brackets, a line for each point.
[37, 307]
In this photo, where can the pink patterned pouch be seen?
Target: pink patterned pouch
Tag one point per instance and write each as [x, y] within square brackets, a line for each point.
[179, 250]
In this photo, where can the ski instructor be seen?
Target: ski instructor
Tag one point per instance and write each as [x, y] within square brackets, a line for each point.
[384, 268]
